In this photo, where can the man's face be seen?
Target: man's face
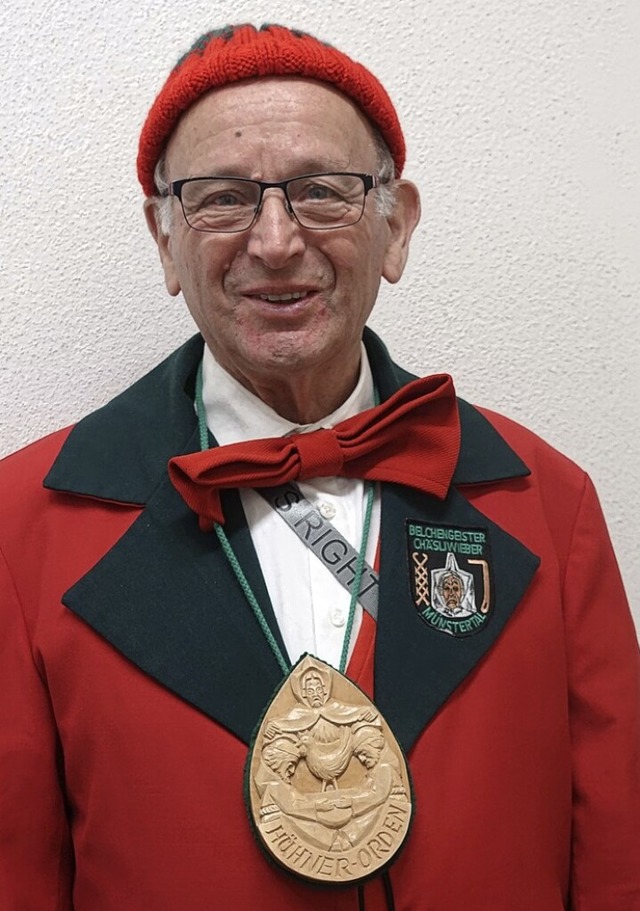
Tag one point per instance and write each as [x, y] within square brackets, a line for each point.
[314, 691]
[452, 591]
[367, 756]
[270, 130]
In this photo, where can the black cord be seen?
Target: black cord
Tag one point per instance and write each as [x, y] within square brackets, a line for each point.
[388, 891]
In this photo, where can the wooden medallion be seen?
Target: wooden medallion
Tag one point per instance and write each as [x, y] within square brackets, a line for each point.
[328, 788]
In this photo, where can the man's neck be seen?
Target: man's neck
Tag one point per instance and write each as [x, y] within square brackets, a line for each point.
[305, 400]
[235, 412]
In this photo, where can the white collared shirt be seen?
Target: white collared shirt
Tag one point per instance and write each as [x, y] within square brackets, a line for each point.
[310, 605]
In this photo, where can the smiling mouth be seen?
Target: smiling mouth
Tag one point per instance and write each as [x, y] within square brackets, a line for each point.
[278, 298]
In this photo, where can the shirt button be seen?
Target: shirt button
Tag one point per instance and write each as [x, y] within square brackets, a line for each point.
[338, 617]
[327, 510]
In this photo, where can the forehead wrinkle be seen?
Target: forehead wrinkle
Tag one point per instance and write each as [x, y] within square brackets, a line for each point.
[270, 157]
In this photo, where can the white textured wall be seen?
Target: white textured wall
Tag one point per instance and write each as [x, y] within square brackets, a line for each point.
[523, 129]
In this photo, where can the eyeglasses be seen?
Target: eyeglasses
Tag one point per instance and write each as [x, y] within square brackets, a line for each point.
[231, 204]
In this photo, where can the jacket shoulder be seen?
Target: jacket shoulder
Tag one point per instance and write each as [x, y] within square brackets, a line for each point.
[531, 447]
[556, 481]
[22, 492]
[32, 461]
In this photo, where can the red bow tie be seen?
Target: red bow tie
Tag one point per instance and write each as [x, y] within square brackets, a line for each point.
[412, 438]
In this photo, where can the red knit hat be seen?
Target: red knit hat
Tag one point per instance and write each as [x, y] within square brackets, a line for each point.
[240, 52]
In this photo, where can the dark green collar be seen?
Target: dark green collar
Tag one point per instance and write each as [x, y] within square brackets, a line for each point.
[120, 452]
[164, 568]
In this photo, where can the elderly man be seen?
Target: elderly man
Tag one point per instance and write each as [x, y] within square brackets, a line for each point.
[279, 487]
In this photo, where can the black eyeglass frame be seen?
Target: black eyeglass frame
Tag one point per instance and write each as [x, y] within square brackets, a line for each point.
[369, 182]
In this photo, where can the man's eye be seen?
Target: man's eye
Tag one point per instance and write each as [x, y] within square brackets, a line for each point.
[319, 191]
[316, 192]
[222, 200]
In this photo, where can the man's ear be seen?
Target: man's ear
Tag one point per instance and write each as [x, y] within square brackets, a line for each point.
[163, 242]
[402, 222]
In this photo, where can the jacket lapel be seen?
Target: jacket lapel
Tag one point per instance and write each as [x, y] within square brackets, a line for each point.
[166, 598]
[164, 595]
[411, 656]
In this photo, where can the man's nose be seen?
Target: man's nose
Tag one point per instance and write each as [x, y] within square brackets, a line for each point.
[275, 237]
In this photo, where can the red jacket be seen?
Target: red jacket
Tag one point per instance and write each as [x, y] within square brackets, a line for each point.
[132, 674]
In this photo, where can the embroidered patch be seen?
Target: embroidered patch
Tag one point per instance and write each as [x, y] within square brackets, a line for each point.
[450, 571]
